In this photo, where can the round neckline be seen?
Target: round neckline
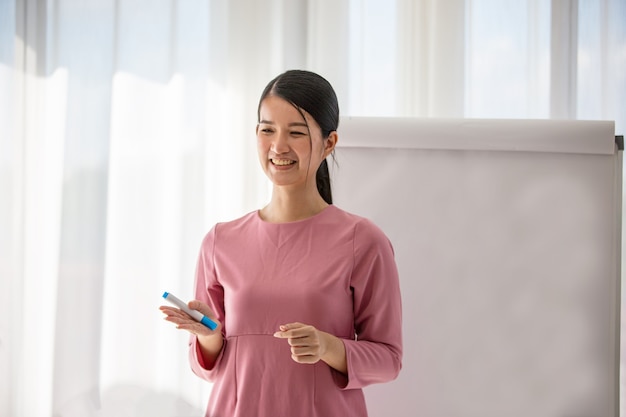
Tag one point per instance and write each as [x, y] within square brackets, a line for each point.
[294, 222]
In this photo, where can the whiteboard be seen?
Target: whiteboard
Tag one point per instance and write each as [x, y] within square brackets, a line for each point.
[507, 236]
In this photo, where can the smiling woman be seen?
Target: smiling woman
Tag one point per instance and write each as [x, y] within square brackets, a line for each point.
[307, 295]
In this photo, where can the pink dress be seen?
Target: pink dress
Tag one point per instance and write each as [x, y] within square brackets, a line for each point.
[335, 271]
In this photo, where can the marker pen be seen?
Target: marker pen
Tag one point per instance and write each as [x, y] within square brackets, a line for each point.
[198, 316]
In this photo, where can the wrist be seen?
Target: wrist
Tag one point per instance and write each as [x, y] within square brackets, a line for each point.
[210, 346]
[334, 353]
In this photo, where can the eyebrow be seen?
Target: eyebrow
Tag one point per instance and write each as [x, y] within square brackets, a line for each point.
[268, 122]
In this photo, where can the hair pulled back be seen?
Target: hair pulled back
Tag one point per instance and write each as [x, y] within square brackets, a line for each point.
[312, 93]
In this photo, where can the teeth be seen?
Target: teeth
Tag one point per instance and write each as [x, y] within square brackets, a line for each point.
[283, 162]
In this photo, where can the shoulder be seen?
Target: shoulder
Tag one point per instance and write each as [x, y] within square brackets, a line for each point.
[365, 230]
[228, 228]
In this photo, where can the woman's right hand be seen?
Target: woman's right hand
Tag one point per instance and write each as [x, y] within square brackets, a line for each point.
[184, 321]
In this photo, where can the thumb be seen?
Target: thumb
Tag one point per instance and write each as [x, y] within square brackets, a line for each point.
[290, 326]
[285, 328]
[201, 307]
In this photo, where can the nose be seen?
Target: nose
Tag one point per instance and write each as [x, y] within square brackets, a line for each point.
[280, 143]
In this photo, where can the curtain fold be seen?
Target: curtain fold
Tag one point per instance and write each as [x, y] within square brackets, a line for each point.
[127, 131]
[10, 205]
[83, 218]
[563, 62]
[430, 58]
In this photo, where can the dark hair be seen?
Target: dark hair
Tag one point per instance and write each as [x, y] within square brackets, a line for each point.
[310, 92]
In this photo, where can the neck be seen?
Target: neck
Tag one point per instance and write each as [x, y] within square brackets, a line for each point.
[292, 205]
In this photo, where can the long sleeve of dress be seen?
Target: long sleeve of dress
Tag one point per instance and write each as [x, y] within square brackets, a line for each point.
[376, 354]
[209, 291]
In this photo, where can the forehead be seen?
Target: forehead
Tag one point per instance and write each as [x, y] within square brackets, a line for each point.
[276, 109]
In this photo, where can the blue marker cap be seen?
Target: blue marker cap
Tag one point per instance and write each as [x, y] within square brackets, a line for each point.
[208, 323]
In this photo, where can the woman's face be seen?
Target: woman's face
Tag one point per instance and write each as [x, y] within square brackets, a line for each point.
[288, 155]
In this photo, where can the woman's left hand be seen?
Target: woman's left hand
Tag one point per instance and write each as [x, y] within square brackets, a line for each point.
[309, 345]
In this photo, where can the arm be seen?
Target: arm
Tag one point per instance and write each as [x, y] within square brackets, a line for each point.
[205, 349]
[375, 355]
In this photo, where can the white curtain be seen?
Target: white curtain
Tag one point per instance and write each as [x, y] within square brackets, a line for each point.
[127, 130]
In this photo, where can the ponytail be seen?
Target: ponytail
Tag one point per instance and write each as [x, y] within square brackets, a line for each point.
[322, 178]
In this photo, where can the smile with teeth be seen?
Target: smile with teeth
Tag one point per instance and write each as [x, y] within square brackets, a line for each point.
[282, 162]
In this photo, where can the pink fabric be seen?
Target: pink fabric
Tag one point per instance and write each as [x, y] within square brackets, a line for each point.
[335, 271]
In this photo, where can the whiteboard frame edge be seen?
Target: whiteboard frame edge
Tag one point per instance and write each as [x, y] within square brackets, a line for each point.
[529, 135]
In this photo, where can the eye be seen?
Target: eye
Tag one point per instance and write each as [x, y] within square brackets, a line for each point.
[266, 130]
[297, 133]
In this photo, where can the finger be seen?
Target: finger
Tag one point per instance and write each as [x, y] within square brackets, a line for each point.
[179, 321]
[294, 330]
[303, 350]
[302, 341]
[195, 328]
[308, 359]
[174, 312]
[291, 326]
[184, 322]
[292, 334]
[180, 315]
[168, 309]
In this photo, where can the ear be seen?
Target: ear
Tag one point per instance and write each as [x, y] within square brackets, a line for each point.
[330, 142]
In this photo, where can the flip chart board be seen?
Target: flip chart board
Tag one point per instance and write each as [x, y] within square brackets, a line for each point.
[507, 235]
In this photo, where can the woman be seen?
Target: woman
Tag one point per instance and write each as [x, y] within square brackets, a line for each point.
[306, 295]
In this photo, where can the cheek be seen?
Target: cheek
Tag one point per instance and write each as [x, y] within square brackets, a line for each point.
[261, 144]
[262, 151]
[307, 152]
[318, 148]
